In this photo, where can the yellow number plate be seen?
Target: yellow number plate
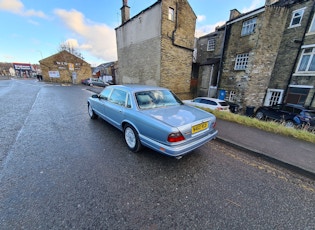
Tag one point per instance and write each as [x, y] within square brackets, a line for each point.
[199, 127]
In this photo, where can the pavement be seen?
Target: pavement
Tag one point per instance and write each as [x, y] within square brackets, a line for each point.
[286, 151]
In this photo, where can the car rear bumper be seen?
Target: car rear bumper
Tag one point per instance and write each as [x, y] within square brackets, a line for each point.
[178, 150]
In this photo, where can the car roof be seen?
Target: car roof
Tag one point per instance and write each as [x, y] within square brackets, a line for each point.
[210, 98]
[299, 107]
[137, 87]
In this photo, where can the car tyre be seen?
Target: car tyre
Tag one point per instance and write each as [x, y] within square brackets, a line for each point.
[132, 138]
[289, 124]
[260, 115]
[91, 112]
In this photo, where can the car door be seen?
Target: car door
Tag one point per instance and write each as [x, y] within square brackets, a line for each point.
[116, 107]
[99, 105]
[275, 112]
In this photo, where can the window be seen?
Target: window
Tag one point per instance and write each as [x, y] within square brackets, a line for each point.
[297, 95]
[312, 27]
[297, 16]
[249, 27]
[307, 61]
[241, 61]
[171, 14]
[211, 44]
[118, 97]
[273, 97]
[105, 93]
[232, 96]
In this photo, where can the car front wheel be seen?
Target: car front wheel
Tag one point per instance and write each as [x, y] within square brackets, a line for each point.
[289, 124]
[259, 115]
[91, 112]
[132, 138]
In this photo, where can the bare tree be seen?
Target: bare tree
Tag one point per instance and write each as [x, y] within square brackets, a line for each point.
[68, 47]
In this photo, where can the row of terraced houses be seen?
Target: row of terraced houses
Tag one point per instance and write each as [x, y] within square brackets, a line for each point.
[262, 57]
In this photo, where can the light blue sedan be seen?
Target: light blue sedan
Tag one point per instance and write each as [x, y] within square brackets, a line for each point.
[153, 117]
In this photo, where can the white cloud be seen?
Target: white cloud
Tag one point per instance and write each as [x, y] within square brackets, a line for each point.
[254, 5]
[97, 39]
[17, 7]
[201, 18]
[207, 29]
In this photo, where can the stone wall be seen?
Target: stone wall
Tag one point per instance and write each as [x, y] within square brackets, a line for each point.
[60, 62]
[177, 44]
[262, 46]
[139, 63]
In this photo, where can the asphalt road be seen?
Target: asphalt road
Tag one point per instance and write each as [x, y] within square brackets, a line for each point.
[61, 170]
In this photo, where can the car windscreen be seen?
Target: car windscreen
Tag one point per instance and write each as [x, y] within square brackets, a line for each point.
[156, 98]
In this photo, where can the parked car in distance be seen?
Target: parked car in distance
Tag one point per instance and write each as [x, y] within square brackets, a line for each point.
[291, 114]
[209, 103]
[94, 82]
[153, 117]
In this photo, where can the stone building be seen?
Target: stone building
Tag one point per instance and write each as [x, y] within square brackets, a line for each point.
[293, 77]
[65, 67]
[267, 55]
[251, 45]
[155, 47]
[208, 59]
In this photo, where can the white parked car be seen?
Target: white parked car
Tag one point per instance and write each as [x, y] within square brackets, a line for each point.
[209, 103]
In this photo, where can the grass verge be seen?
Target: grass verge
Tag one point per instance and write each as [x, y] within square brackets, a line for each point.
[269, 126]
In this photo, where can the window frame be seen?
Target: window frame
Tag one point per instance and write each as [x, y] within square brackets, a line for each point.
[293, 17]
[311, 59]
[312, 26]
[211, 44]
[171, 14]
[241, 61]
[248, 26]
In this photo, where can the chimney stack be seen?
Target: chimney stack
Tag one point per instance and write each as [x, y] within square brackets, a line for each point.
[125, 12]
[234, 14]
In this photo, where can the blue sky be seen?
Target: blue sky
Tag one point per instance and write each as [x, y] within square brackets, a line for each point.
[32, 30]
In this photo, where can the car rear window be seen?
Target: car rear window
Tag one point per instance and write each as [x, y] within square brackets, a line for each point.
[223, 103]
[156, 98]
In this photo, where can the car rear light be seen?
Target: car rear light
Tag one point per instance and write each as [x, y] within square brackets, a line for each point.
[214, 124]
[175, 137]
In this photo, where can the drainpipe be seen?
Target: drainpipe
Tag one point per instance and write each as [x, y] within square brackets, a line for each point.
[222, 54]
[211, 75]
[174, 31]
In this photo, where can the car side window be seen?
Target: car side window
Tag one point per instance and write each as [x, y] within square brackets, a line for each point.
[118, 97]
[288, 109]
[105, 93]
[211, 102]
[203, 101]
[197, 100]
[297, 111]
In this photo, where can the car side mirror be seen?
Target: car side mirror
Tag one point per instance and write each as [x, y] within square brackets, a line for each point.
[95, 96]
